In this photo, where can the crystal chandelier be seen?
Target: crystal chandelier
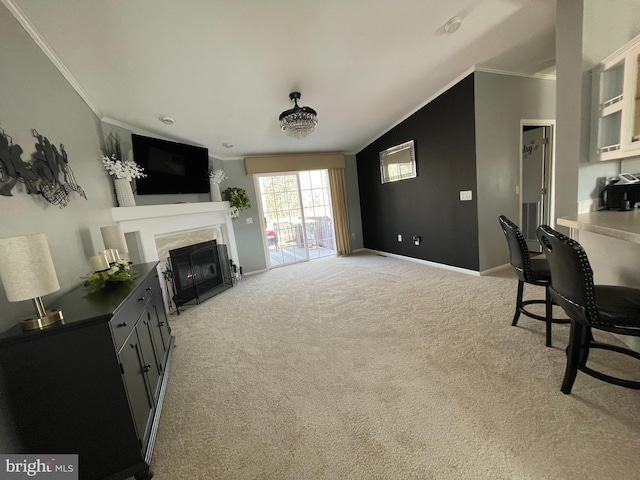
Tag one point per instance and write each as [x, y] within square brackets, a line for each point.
[298, 122]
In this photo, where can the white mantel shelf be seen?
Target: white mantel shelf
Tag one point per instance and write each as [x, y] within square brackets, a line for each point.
[149, 221]
[123, 214]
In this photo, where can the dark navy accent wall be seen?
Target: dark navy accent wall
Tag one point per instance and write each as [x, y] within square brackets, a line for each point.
[429, 205]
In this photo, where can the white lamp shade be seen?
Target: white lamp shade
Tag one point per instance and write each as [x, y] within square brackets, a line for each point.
[26, 267]
[113, 237]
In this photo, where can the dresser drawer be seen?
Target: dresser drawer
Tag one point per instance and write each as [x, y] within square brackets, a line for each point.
[123, 322]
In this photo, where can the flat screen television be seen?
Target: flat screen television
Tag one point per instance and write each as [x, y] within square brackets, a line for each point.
[170, 167]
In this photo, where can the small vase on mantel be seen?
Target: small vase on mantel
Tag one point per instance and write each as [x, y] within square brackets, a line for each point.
[216, 196]
[124, 193]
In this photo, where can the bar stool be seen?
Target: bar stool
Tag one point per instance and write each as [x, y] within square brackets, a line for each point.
[532, 271]
[604, 307]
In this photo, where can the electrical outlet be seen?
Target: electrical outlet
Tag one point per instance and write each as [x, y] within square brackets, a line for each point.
[399, 237]
[416, 240]
[465, 195]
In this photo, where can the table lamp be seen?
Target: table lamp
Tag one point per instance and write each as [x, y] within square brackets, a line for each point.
[113, 238]
[27, 273]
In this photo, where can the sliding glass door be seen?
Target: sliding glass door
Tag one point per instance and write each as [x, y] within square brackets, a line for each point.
[296, 211]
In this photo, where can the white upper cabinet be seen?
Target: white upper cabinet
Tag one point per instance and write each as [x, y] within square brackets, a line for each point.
[615, 104]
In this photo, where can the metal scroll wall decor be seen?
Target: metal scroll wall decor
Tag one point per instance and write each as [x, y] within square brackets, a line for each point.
[48, 174]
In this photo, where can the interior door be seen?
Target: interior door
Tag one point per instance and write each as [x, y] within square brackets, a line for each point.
[536, 181]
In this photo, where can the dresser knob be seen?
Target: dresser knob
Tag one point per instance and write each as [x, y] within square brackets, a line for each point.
[141, 299]
[147, 367]
[161, 324]
[148, 289]
[123, 324]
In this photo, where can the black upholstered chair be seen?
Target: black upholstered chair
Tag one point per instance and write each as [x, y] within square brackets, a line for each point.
[534, 271]
[604, 307]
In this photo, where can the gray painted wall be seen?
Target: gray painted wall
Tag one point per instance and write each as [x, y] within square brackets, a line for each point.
[35, 95]
[501, 101]
[569, 105]
[248, 236]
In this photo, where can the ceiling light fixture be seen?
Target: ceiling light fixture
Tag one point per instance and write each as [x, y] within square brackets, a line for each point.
[298, 122]
[453, 25]
[166, 120]
[227, 145]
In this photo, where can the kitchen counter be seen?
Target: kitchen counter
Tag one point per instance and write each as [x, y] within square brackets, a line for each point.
[612, 241]
[611, 223]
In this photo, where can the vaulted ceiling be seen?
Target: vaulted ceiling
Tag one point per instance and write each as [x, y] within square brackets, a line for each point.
[223, 69]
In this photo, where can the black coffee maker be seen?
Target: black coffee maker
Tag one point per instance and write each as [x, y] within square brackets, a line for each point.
[618, 196]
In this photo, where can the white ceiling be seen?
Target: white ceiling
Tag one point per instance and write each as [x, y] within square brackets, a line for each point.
[223, 69]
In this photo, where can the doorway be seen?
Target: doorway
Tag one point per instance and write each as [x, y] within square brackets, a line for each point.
[297, 216]
[536, 165]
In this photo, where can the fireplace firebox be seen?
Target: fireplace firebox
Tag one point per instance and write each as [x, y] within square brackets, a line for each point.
[199, 272]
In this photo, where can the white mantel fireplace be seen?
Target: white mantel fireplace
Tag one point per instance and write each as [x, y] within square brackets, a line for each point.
[150, 222]
[156, 228]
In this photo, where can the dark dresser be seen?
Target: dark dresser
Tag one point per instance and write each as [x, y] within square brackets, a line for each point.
[95, 384]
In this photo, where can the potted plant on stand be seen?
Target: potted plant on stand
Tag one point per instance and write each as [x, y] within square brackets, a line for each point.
[238, 200]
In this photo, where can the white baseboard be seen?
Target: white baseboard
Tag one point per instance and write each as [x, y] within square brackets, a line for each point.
[495, 269]
[424, 262]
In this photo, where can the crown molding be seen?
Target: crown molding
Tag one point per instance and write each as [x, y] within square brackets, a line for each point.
[428, 100]
[48, 51]
[472, 69]
[539, 76]
[134, 129]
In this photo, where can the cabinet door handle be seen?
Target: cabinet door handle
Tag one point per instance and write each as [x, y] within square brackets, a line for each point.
[123, 324]
[141, 299]
[161, 324]
[148, 289]
[146, 368]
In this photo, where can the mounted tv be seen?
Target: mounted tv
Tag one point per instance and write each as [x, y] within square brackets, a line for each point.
[171, 167]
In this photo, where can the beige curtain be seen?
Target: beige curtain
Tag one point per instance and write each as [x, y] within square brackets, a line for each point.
[293, 163]
[340, 211]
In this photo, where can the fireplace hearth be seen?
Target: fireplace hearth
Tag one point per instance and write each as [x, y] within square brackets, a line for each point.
[199, 272]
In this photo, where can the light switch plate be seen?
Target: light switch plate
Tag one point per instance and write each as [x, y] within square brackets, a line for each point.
[249, 220]
[465, 195]
[399, 237]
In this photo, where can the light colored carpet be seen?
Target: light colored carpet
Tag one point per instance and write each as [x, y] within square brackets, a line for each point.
[369, 367]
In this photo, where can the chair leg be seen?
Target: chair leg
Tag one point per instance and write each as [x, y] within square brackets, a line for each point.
[585, 342]
[518, 303]
[548, 314]
[574, 355]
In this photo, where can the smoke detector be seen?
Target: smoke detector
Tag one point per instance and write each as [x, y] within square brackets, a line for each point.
[453, 25]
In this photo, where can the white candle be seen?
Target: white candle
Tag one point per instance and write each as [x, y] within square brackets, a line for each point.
[99, 262]
[110, 256]
[116, 255]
